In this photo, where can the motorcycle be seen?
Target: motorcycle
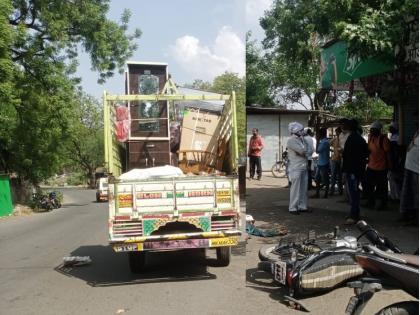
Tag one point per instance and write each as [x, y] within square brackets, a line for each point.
[388, 265]
[46, 202]
[319, 264]
[55, 201]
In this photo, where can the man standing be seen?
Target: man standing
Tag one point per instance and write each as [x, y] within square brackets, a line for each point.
[354, 162]
[323, 164]
[336, 173]
[310, 148]
[297, 169]
[395, 174]
[409, 207]
[378, 165]
[254, 152]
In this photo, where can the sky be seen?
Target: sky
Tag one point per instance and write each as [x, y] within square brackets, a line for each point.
[254, 11]
[198, 39]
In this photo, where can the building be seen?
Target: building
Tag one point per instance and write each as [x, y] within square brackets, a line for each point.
[272, 124]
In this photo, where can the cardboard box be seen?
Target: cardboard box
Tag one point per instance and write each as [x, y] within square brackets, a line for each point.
[199, 131]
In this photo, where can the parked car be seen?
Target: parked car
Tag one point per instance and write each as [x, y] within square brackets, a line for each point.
[102, 189]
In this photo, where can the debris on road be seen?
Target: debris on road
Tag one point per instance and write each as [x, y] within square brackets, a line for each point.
[76, 261]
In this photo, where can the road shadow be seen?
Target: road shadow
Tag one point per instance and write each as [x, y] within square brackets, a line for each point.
[111, 269]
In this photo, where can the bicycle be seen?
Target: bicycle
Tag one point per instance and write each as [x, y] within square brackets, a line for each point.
[279, 169]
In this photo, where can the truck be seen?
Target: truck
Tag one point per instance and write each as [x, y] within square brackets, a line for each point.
[172, 213]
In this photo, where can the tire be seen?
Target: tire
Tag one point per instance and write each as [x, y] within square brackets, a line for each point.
[137, 261]
[278, 170]
[265, 253]
[97, 198]
[401, 308]
[223, 256]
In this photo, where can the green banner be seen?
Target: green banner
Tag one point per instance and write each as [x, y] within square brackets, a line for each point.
[6, 206]
[338, 66]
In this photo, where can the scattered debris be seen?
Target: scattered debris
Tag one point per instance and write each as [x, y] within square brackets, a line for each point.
[121, 310]
[20, 210]
[76, 261]
[253, 230]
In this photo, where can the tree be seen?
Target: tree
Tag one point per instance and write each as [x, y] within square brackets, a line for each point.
[86, 136]
[258, 76]
[365, 109]
[296, 30]
[39, 46]
[199, 84]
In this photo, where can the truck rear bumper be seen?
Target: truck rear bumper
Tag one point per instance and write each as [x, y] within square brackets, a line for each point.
[178, 241]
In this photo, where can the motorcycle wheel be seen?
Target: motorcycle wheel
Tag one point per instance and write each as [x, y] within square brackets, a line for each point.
[278, 170]
[401, 308]
[266, 253]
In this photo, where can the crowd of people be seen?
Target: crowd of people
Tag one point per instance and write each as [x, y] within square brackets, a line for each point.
[375, 170]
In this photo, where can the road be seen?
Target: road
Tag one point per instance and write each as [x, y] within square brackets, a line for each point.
[267, 201]
[33, 281]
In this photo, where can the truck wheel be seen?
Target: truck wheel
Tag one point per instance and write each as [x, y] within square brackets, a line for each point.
[97, 198]
[137, 261]
[223, 256]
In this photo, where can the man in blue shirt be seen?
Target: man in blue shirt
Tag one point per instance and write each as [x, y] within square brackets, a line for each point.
[322, 173]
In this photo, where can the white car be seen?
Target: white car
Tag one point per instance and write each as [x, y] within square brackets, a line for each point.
[102, 189]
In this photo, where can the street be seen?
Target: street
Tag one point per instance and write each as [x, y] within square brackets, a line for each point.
[267, 201]
[33, 281]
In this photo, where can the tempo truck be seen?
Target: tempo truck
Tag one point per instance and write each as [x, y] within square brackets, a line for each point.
[160, 214]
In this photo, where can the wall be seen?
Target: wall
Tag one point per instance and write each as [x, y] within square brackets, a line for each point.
[274, 130]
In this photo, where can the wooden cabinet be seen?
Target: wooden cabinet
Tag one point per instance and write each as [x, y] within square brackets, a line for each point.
[142, 154]
[148, 143]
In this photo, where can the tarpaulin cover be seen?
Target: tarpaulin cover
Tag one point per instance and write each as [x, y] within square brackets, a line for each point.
[166, 171]
[122, 113]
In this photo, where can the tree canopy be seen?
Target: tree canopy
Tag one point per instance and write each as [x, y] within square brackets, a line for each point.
[39, 44]
[296, 30]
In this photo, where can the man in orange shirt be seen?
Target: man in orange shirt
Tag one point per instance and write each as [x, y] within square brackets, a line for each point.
[254, 153]
[378, 166]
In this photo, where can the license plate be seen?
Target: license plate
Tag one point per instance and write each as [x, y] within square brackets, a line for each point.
[279, 271]
[134, 247]
[225, 241]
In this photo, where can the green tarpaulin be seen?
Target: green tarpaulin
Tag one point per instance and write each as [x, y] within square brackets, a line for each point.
[338, 66]
[6, 206]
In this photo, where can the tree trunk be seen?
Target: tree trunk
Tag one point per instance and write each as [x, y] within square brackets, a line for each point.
[92, 179]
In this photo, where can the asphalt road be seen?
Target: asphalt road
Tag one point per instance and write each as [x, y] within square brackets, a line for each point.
[33, 281]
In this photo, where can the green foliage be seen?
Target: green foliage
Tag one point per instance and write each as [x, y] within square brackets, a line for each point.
[258, 76]
[39, 43]
[364, 108]
[86, 136]
[295, 30]
[199, 85]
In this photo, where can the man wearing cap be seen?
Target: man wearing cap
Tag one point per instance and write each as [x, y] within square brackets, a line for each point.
[378, 166]
[297, 169]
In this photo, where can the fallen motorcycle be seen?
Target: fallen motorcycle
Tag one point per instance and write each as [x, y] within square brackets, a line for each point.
[312, 265]
[388, 265]
[321, 263]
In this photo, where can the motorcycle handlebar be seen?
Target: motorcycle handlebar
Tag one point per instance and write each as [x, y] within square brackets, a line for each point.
[373, 236]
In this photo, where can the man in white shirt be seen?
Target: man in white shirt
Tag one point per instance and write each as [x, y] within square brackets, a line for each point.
[297, 168]
[310, 143]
